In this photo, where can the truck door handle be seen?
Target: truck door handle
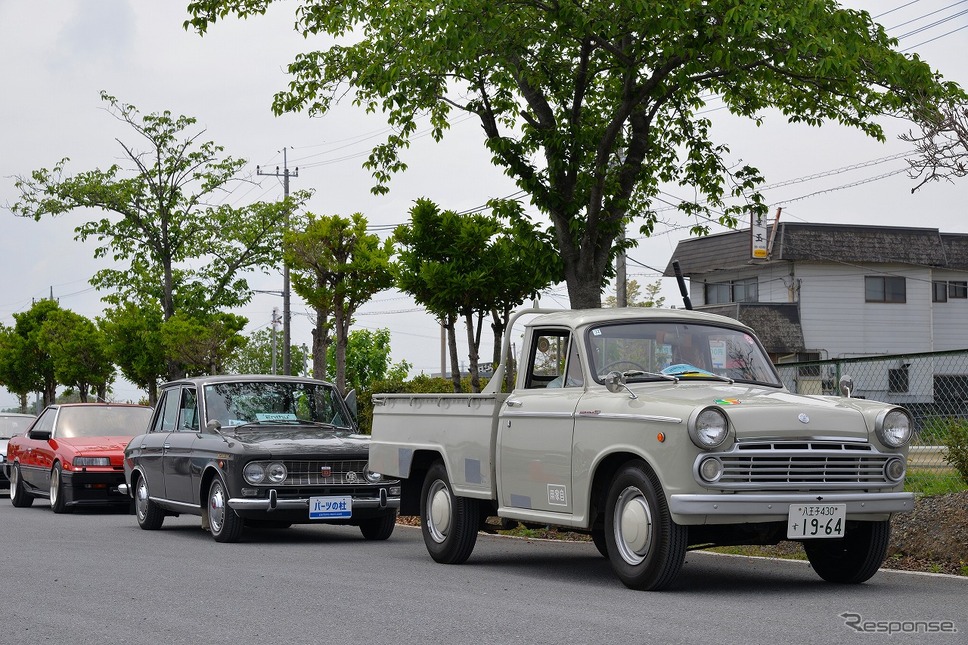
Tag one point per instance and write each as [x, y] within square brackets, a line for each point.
[511, 403]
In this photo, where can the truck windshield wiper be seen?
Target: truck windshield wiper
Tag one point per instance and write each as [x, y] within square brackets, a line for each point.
[631, 374]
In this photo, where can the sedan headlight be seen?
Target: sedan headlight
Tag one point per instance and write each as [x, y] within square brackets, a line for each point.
[276, 473]
[371, 475]
[709, 428]
[81, 462]
[893, 428]
[254, 473]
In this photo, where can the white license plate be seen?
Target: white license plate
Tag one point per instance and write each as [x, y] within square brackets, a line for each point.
[327, 508]
[816, 521]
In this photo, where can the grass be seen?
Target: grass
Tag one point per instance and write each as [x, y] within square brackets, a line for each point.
[934, 481]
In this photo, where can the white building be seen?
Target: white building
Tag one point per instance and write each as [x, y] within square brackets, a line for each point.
[827, 291]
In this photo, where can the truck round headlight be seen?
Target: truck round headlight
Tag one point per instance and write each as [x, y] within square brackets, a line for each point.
[254, 473]
[894, 469]
[276, 473]
[709, 428]
[711, 469]
[894, 428]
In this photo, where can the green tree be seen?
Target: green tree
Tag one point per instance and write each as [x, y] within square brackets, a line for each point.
[468, 266]
[336, 267]
[368, 359]
[650, 298]
[16, 370]
[175, 248]
[37, 364]
[78, 351]
[594, 106]
[256, 355]
[133, 335]
[202, 345]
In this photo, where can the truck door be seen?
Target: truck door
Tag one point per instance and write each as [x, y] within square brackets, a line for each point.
[537, 427]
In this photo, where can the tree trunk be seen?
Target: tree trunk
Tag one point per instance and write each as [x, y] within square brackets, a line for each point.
[452, 347]
[472, 353]
[342, 340]
[320, 344]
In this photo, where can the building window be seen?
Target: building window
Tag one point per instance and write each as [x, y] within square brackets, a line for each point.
[958, 289]
[939, 291]
[879, 288]
[717, 293]
[897, 379]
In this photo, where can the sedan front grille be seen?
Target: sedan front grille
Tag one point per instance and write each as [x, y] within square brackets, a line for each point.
[325, 473]
[801, 465]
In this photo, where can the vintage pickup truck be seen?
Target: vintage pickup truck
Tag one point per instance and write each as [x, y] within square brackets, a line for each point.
[655, 431]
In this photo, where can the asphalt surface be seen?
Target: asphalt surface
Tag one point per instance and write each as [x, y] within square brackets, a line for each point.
[94, 577]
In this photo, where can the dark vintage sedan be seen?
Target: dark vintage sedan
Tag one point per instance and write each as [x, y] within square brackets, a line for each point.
[264, 451]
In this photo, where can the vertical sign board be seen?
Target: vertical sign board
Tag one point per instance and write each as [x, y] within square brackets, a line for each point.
[758, 238]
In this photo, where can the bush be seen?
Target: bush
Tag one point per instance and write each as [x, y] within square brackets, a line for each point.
[956, 446]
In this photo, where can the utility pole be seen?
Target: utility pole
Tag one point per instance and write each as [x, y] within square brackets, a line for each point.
[275, 322]
[286, 340]
[621, 278]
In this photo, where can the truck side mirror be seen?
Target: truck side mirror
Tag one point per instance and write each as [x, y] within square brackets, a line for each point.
[846, 385]
[615, 382]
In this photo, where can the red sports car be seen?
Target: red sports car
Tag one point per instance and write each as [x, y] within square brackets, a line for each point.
[73, 454]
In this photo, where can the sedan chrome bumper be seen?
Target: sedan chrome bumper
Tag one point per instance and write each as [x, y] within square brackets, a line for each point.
[760, 505]
[273, 502]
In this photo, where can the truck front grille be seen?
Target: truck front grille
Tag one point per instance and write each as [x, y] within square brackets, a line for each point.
[821, 465]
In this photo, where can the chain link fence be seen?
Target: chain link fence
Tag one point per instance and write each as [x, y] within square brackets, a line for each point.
[932, 386]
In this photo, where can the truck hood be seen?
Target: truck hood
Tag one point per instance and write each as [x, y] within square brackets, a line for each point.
[301, 442]
[759, 412]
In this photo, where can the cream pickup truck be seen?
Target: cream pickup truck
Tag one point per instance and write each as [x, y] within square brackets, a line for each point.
[655, 431]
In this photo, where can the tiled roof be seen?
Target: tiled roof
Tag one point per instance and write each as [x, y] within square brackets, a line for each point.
[776, 324]
[826, 242]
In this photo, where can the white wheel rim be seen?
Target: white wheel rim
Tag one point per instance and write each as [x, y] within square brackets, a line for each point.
[439, 512]
[633, 526]
[54, 486]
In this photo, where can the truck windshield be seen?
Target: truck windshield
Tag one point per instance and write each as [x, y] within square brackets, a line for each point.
[646, 351]
[275, 403]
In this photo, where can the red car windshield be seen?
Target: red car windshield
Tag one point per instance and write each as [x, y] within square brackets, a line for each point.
[101, 421]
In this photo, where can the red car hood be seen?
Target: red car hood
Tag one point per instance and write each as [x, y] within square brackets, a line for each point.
[94, 446]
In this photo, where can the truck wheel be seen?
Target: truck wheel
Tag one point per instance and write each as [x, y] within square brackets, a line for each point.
[598, 539]
[449, 523]
[19, 496]
[379, 528]
[853, 558]
[646, 548]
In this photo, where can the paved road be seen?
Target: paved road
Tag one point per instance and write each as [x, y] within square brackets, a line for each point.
[96, 578]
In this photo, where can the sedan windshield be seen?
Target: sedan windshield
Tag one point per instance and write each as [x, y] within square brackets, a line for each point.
[275, 403]
[10, 426]
[101, 421]
[686, 351]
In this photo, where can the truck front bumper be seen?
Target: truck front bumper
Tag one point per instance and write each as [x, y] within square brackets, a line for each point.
[764, 507]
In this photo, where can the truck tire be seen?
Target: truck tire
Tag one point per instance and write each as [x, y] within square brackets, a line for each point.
[449, 523]
[853, 558]
[645, 547]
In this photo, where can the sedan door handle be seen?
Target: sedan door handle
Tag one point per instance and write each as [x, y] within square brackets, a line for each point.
[167, 446]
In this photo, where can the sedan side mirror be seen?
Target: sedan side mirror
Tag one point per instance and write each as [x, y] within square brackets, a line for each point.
[351, 403]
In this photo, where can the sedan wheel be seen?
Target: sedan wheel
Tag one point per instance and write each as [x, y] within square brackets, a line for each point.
[18, 494]
[150, 515]
[225, 524]
[58, 501]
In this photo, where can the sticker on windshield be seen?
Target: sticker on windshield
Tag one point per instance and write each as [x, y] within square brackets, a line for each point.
[275, 416]
[596, 332]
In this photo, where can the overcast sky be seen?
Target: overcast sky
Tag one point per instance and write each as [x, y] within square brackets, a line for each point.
[57, 56]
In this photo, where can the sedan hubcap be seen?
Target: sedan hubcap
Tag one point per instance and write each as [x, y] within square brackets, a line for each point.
[142, 499]
[439, 513]
[14, 480]
[633, 526]
[216, 508]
